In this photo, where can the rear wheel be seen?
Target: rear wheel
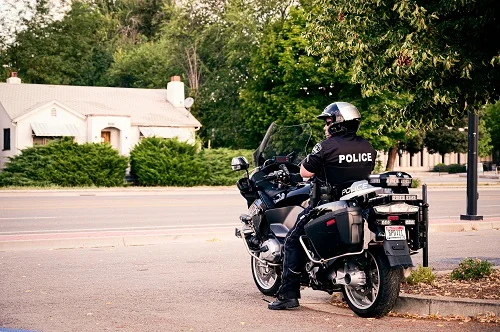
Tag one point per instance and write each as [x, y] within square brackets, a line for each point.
[381, 291]
[266, 277]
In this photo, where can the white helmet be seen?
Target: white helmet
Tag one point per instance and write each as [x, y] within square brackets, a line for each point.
[345, 117]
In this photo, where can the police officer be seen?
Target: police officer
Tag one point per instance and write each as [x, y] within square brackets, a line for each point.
[339, 160]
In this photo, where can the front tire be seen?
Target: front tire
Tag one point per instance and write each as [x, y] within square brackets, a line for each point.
[266, 278]
[381, 291]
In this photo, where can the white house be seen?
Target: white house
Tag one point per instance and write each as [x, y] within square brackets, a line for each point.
[36, 113]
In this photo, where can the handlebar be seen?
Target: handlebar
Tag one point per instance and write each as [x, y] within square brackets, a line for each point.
[284, 169]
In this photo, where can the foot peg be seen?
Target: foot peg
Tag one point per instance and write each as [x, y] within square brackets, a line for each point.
[245, 218]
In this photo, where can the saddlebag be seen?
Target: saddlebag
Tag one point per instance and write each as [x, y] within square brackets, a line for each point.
[338, 231]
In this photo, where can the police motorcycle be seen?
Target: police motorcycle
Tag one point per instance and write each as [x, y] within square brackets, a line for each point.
[360, 235]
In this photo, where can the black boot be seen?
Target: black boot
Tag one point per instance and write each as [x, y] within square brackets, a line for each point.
[281, 304]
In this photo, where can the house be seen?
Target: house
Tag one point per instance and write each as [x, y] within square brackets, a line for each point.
[33, 114]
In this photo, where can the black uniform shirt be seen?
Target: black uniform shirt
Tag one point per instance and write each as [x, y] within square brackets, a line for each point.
[344, 158]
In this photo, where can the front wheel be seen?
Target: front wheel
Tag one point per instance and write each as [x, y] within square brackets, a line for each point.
[378, 296]
[267, 279]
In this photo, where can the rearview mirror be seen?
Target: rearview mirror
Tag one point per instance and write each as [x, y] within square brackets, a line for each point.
[239, 163]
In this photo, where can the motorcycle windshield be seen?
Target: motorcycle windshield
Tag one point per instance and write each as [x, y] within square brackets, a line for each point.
[281, 141]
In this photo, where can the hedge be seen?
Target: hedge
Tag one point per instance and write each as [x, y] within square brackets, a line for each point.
[168, 162]
[453, 168]
[218, 163]
[154, 162]
[66, 163]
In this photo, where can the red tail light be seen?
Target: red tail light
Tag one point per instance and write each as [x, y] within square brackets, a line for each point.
[392, 218]
[331, 222]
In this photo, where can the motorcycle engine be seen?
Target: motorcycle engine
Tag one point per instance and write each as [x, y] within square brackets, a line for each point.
[270, 251]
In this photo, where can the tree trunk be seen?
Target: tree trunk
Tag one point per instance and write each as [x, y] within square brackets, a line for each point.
[393, 152]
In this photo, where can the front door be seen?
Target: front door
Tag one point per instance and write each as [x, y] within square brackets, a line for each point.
[106, 137]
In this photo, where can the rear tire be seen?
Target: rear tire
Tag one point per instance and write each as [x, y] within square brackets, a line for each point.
[266, 278]
[381, 291]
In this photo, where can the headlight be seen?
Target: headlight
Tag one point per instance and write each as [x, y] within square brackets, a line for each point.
[396, 208]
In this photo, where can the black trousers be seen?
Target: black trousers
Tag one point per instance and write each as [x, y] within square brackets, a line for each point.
[294, 259]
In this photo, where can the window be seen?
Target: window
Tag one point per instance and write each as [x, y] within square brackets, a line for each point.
[6, 138]
[44, 140]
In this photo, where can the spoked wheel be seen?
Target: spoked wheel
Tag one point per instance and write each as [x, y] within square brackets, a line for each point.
[381, 291]
[266, 277]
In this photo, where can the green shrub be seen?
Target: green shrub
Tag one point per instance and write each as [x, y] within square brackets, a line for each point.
[456, 168]
[379, 168]
[66, 163]
[453, 168]
[421, 275]
[440, 168]
[415, 183]
[218, 163]
[471, 269]
[167, 162]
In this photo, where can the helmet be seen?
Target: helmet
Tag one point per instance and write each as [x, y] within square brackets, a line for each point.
[345, 116]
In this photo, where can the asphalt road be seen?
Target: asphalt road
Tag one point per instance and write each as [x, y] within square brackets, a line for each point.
[180, 210]
[175, 286]
[181, 285]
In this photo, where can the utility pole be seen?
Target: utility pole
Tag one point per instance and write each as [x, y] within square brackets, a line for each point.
[472, 194]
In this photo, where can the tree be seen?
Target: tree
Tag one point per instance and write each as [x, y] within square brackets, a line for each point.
[73, 51]
[290, 86]
[287, 85]
[491, 125]
[446, 140]
[138, 20]
[17, 16]
[212, 42]
[412, 143]
[440, 54]
[147, 65]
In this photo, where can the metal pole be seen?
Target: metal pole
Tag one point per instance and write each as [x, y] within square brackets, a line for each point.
[472, 194]
[425, 215]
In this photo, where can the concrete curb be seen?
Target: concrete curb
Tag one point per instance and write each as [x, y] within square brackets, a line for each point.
[423, 305]
[444, 306]
[464, 226]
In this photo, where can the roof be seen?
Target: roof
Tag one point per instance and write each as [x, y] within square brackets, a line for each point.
[146, 107]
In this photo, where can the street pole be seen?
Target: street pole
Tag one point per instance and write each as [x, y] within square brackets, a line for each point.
[425, 217]
[472, 194]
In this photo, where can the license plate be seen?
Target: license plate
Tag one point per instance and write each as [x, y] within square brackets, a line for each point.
[395, 233]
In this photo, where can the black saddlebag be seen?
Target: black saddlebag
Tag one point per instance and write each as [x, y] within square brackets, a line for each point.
[337, 232]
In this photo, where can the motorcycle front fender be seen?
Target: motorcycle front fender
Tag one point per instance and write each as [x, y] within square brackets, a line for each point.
[398, 253]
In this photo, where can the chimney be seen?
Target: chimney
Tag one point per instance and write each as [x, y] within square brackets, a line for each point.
[13, 79]
[175, 91]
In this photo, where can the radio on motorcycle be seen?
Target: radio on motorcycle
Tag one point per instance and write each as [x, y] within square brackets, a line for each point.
[390, 179]
[359, 236]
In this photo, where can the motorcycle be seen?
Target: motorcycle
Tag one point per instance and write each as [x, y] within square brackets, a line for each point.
[359, 238]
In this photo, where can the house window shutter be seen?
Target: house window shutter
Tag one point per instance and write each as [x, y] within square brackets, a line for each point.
[6, 138]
